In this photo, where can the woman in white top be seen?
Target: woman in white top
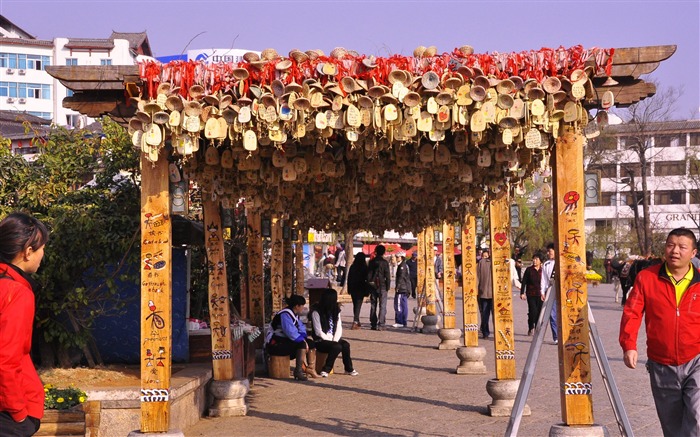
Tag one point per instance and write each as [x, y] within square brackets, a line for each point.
[328, 330]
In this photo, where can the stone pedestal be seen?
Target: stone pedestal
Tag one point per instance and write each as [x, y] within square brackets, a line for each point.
[449, 338]
[429, 324]
[229, 398]
[419, 322]
[503, 394]
[170, 433]
[471, 360]
[578, 431]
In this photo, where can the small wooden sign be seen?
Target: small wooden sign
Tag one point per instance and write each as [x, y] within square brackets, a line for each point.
[448, 258]
[504, 339]
[276, 266]
[469, 287]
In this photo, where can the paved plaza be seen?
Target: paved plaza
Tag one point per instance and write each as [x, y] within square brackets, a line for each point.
[407, 387]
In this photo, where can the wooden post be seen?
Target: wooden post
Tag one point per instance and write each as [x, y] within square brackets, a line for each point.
[256, 291]
[276, 266]
[219, 307]
[448, 258]
[469, 294]
[420, 284]
[571, 287]
[288, 261]
[245, 291]
[299, 264]
[430, 272]
[156, 296]
[499, 218]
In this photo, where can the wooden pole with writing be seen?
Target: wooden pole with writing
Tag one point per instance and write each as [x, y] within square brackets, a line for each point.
[256, 292]
[298, 264]
[448, 258]
[571, 287]
[156, 296]
[499, 218]
[288, 261]
[277, 266]
[219, 308]
[420, 292]
[469, 295]
[430, 272]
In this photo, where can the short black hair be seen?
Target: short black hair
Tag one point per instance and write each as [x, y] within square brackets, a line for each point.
[295, 299]
[683, 232]
[538, 256]
[379, 250]
[550, 246]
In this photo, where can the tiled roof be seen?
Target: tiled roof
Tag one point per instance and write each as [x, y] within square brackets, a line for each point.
[12, 125]
[661, 126]
[135, 39]
[26, 42]
[90, 43]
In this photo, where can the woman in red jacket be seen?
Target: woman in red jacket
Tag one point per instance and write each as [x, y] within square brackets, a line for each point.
[22, 241]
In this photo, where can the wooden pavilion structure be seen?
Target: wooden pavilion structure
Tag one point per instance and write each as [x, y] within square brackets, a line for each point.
[349, 142]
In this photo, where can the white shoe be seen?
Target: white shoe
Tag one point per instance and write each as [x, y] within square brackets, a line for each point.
[353, 373]
[556, 341]
[397, 325]
[324, 374]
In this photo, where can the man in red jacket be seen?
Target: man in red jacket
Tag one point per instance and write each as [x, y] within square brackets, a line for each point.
[668, 295]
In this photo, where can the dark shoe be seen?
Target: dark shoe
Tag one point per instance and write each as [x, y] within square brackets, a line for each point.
[529, 333]
[373, 328]
[355, 326]
[300, 376]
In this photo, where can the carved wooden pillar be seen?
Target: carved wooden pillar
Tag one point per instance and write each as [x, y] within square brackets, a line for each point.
[288, 261]
[298, 263]
[571, 287]
[276, 266]
[156, 296]
[430, 272]
[448, 262]
[420, 292]
[469, 294]
[219, 310]
[256, 291]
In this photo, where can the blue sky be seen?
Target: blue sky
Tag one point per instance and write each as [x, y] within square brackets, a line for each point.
[386, 27]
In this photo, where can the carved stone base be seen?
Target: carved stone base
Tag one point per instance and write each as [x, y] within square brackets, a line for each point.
[430, 324]
[503, 393]
[229, 398]
[419, 323]
[449, 338]
[471, 360]
[578, 431]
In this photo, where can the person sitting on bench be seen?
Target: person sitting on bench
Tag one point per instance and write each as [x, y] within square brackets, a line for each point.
[289, 338]
[328, 329]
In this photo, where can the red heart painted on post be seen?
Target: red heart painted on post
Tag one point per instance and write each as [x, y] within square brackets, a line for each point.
[500, 238]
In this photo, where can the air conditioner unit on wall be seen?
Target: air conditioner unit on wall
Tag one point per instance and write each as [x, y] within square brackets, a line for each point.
[22, 72]
[10, 71]
[22, 100]
[10, 100]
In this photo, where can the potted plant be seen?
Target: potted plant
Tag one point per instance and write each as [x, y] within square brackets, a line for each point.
[63, 413]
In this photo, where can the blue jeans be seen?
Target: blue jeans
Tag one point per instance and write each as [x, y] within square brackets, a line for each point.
[485, 309]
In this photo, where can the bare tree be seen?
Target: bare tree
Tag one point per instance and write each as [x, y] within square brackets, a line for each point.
[636, 155]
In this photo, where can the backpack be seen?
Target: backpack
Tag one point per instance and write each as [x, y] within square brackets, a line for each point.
[269, 328]
[374, 279]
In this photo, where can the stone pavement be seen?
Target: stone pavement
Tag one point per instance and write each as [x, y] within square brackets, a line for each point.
[407, 387]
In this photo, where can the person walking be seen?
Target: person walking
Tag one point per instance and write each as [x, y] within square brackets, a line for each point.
[548, 285]
[532, 291]
[22, 242]
[340, 263]
[403, 289]
[379, 279]
[412, 264]
[666, 295]
[358, 288]
[485, 291]
[328, 330]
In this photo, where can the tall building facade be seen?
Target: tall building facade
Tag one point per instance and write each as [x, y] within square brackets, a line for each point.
[671, 155]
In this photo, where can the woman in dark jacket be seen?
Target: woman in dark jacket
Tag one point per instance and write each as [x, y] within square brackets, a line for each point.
[22, 241]
[532, 278]
[328, 330]
[357, 286]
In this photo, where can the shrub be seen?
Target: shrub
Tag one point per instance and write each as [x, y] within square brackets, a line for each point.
[62, 398]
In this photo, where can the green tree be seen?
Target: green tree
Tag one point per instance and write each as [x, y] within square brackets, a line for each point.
[84, 187]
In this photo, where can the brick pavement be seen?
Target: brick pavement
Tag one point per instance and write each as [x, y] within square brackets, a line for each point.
[407, 387]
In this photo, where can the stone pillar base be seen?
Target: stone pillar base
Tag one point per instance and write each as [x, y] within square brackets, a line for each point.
[449, 338]
[170, 433]
[229, 398]
[419, 322]
[578, 431]
[429, 324]
[503, 392]
[471, 360]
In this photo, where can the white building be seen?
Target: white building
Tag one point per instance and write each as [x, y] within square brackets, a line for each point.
[25, 86]
[673, 177]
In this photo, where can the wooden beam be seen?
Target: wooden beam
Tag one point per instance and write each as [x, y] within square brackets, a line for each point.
[575, 365]
[640, 55]
[105, 85]
[92, 73]
[625, 95]
[156, 297]
[630, 70]
[504, 340]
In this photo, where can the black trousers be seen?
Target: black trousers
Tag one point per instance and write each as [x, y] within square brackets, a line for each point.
[357, 300]
[333, 349]
[10, 428]
[534, 307]
[280, 346]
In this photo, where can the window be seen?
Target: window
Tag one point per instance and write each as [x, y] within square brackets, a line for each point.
[694, 166]
[4, 60]
[666, 141]
[37, 62]
[694, 137]
[603, 224]
[606, 170]
[670, 168]
[25, 90]
[634, 167]
[629, 198]
[608, 198]
[694, 195]
[71, 61]
[105, 62]
[669, 197]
